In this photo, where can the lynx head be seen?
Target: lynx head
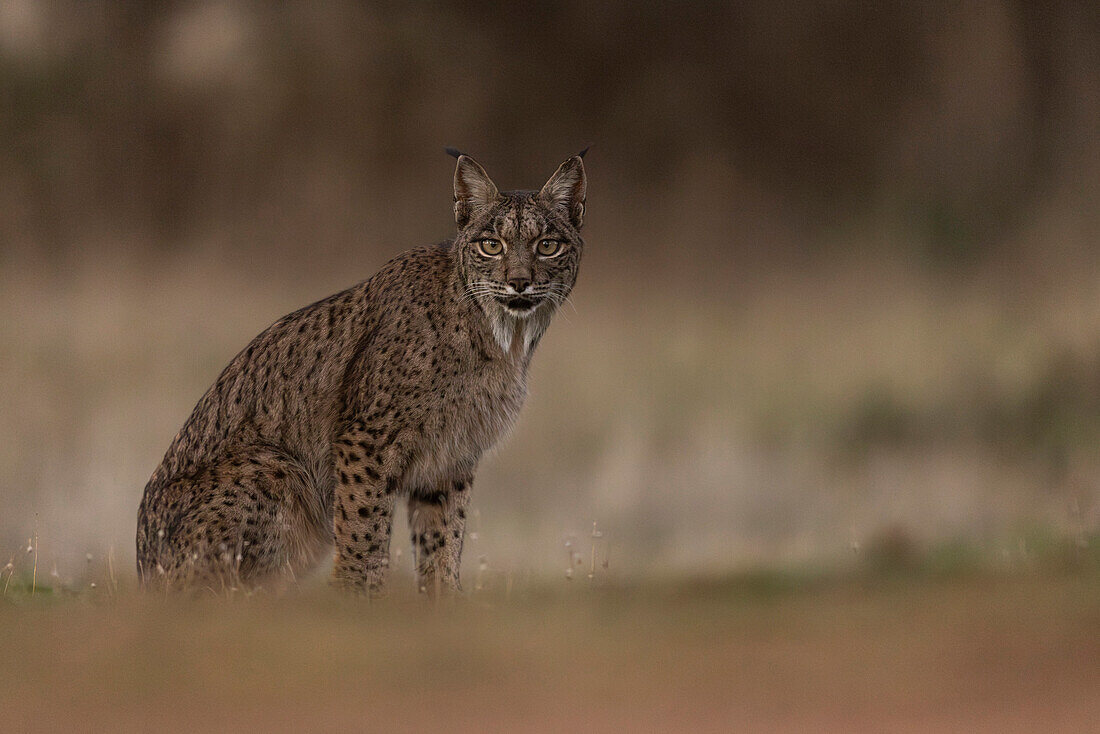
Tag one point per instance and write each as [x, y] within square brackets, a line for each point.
[518, 251]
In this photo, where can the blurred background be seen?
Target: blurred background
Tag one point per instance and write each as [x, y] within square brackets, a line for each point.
[840, 296]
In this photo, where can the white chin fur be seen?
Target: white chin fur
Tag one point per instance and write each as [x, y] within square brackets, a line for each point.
[520, 313]
[504, 321]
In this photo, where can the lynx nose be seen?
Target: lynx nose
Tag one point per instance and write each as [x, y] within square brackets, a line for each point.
[519, 284]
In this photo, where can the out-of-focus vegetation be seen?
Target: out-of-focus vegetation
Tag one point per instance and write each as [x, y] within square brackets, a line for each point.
[841, 288]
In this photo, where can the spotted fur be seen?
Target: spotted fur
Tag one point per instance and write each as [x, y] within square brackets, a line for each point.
[391, 389]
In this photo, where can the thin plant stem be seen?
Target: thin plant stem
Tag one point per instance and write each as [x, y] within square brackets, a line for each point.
[34, 573]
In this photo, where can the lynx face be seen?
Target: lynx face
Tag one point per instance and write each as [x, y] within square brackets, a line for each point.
[519, 251]
[518, 258]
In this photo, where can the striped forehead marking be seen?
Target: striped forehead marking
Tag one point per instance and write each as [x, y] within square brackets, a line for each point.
[521, 221]
[531, 223]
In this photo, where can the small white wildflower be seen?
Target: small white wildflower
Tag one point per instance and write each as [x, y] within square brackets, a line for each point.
[569, 573]
[92, 585]
[160, 533]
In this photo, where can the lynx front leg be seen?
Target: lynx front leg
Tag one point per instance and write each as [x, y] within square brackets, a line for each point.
[437, 522]
[366, 488]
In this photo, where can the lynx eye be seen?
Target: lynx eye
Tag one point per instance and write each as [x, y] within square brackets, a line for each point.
[548, 248]
[490, 247]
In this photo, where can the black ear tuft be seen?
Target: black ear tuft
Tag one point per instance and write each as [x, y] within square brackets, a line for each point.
[453, 152]
[586, 149]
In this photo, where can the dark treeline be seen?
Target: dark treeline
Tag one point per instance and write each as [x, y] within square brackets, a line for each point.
[159, 123]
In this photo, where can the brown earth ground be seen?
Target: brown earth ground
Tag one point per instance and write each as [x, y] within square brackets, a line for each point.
[756, 653]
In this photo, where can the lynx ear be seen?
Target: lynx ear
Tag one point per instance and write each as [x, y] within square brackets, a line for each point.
[473, 189]
[566, 189]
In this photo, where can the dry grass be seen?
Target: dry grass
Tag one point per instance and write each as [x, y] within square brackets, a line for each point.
[1004, 654]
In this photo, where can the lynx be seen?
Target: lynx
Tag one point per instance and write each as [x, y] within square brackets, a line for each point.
[391, 389]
